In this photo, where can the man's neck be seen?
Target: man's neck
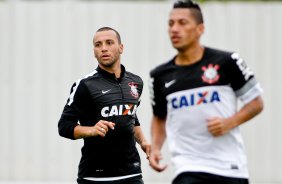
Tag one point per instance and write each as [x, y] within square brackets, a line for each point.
[115, 69]
[190, 55]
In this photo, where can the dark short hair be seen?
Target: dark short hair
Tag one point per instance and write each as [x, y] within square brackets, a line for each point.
[110, 29]
[195, 9]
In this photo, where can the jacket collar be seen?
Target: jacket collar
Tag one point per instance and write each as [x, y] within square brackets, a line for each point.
[111, 75]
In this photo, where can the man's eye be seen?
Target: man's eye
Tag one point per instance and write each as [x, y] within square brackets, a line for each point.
[183, 22]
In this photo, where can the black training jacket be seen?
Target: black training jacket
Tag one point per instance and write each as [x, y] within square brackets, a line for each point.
[101, 96]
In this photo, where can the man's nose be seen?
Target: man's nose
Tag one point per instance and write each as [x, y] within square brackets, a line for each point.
[104, 47]
[174, 28]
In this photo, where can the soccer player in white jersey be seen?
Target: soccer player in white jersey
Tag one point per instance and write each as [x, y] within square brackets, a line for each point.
[194, 98]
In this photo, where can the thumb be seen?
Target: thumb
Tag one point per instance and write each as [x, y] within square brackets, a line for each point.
[148, 150]
[211, 119]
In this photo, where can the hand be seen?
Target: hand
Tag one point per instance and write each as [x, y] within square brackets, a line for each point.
[146, 147]
[219, 126]
[102, 127]
[154, 159]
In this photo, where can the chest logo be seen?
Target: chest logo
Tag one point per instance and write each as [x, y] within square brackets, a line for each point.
[104, 92]
[168, 84]
[210, 75]
[133, 89]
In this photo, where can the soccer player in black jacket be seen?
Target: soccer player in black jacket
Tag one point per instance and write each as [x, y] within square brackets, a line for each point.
[105, 103]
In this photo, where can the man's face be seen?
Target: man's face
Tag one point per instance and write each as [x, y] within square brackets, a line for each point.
[183, 29]
[107, 49]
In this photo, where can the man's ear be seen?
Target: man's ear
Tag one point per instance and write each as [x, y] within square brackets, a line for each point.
[201, 29]
[94, 53]
[121, 48]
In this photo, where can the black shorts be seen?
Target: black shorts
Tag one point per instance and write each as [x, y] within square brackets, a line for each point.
[206, 178]
[132, 180]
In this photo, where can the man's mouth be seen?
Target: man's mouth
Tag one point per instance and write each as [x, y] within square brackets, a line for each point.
[105, 56]
[175, 39]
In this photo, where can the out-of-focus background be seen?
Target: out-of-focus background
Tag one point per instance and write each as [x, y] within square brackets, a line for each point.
[46, 45]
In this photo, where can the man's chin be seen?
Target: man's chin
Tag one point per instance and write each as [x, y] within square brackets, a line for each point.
[107, 64]
[179, 48]
[176, 46]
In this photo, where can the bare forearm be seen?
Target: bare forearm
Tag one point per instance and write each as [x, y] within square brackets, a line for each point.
[139, 136]
[247, 112]
[158, 138]
[82, 132]
[141, 140]
[99, 129]
[158, 133]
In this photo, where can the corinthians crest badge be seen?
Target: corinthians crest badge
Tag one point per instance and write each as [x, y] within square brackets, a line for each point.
[210, 75]
[133, 89]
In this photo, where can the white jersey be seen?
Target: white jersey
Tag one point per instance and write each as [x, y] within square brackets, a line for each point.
[188, 96]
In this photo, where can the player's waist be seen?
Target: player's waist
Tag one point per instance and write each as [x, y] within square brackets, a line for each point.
[223, 167]
[111, 178]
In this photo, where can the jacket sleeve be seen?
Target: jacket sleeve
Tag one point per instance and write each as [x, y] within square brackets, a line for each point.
[76, 105]
[157, 97]
[137, 122]
[243, 81]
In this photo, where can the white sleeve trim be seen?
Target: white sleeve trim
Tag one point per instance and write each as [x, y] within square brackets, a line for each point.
[76, 85]
[251, 94]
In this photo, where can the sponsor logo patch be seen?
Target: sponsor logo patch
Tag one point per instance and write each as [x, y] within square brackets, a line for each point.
[195, 99]
[119, 110]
